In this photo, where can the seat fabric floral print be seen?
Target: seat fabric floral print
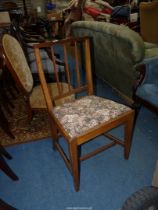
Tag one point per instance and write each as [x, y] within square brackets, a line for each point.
[83, 114]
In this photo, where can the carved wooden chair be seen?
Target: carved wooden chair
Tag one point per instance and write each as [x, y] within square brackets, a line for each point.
[86, 117]
[17, 65]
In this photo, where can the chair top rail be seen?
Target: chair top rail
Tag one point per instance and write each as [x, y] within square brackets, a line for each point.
[62, 41]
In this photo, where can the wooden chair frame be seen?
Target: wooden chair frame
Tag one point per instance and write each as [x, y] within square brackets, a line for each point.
[73, 163]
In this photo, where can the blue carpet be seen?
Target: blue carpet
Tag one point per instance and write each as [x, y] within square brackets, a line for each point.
[106, 179]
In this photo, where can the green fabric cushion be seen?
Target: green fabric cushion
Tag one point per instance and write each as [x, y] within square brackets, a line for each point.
[116, 51]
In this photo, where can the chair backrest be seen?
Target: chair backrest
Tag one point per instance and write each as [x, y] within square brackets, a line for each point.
[75, 53]
[17, 64]
[148, 24]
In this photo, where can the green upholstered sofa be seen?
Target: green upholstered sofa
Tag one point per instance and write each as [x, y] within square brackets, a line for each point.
[117, 51]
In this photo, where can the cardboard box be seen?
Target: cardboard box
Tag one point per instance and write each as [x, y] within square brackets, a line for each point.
[4, 18]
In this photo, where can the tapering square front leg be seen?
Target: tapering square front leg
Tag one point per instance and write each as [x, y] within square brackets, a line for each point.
[74, 158]
[128, 134]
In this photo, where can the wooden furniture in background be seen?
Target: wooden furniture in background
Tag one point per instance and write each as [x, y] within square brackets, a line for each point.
[74, 14]
[6, 103]
[148, 25]
[56, 21]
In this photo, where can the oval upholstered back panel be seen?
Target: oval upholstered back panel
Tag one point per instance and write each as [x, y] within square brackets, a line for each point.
[16, 57]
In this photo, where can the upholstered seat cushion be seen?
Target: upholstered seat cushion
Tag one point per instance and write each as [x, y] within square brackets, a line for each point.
[37, 99]
[79, 116]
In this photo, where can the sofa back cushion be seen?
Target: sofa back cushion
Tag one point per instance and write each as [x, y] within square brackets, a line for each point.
[117, 49]
[114, 36]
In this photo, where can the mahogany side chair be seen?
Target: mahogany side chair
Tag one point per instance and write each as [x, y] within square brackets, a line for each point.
[87, 116]
[17, 65]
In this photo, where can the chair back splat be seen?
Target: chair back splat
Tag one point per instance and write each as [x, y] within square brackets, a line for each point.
[86, 116]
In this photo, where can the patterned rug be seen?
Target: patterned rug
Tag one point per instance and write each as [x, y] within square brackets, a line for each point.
[23, 130]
